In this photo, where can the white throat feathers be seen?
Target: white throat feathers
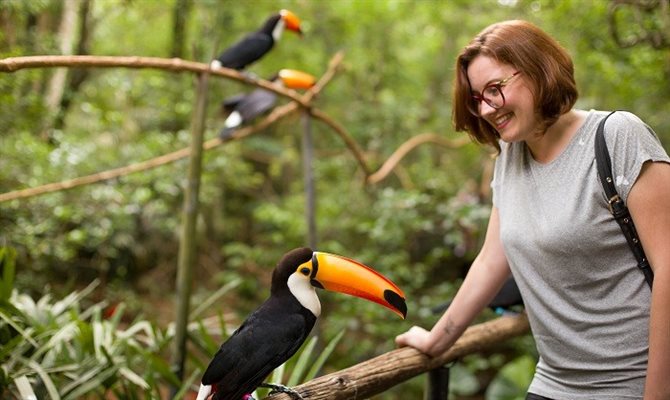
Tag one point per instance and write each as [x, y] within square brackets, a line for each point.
[204, 392]
[304, 292]
[278, 30]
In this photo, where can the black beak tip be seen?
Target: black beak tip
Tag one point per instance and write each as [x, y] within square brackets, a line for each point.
[396, 301]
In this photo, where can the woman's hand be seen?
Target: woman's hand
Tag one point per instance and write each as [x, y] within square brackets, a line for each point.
[416, 337]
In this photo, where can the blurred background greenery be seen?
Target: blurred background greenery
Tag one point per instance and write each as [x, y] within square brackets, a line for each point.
[421, 226]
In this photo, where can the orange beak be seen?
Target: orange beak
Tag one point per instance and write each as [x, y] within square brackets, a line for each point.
[294, 79]
[344, 275]
[291, 20]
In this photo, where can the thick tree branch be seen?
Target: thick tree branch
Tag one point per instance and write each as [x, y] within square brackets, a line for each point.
[378, 374]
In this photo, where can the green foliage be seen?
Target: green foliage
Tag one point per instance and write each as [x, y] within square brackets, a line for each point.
[7, 273]
[421, 226]
[513, 380]
[67, 350]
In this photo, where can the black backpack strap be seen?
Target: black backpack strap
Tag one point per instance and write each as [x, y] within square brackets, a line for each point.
[616, 204]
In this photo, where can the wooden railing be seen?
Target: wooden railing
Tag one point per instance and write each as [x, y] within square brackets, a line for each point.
[379, 374]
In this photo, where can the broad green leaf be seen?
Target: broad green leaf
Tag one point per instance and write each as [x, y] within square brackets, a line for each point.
[301, 364]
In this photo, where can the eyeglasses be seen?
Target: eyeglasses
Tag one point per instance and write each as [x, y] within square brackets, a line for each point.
[492, 95]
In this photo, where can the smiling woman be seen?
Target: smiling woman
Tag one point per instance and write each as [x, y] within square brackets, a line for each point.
[546, 65]
[595, 323]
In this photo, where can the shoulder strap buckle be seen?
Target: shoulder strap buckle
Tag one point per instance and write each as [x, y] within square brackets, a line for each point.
[613, 202]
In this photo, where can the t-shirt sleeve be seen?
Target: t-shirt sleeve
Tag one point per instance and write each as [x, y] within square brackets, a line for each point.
[631, 143]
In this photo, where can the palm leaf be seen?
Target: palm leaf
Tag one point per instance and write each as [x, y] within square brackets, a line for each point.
[25, 389]
[44, 376]
[301, 364]
[316, 367]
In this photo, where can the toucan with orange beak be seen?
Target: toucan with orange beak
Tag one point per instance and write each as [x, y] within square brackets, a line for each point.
[277, 329]
[256, 44]
[245, 107]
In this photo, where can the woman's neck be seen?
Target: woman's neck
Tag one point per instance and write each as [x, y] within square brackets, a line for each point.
[548, 146]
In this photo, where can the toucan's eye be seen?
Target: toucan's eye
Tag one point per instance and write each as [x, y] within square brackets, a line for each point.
[305, 271]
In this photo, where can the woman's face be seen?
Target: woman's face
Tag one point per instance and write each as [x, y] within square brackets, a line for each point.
[516, 119]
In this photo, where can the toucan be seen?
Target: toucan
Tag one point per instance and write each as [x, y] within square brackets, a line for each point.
[256, 44]
[277, 329]
[245, 107]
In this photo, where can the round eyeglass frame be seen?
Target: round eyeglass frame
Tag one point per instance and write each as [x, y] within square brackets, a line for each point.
[475, 105]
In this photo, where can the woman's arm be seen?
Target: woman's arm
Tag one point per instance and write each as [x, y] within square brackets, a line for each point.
[484, 279]
[649, 205]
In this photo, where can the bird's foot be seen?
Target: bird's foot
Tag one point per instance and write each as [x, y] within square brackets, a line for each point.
[276, 388]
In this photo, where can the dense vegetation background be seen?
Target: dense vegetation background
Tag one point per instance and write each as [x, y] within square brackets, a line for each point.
[421, 226]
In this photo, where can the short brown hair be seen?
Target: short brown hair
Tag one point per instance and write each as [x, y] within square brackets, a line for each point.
[545, 63]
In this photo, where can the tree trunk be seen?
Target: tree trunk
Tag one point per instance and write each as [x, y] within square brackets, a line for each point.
[66, 35]
[181, 11]
[187, 241]
[77, 76]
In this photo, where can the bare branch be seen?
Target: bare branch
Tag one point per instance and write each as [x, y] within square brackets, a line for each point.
[378, 374]
[348, 140]
[408, 146]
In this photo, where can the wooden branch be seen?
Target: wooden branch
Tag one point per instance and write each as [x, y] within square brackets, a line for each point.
[13, 64]
[333, 67]
[406, 147]
[377, 375]
[348, 140]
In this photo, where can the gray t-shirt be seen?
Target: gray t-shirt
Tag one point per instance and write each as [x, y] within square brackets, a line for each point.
[587, 302]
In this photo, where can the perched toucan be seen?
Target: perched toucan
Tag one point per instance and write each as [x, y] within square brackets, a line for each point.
[243, 108]
[256, 44]
[506, 299]
[277, 329]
